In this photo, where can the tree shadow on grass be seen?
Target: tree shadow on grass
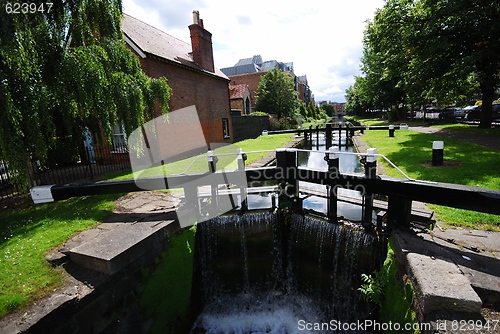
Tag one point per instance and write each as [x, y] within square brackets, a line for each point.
[465, 163]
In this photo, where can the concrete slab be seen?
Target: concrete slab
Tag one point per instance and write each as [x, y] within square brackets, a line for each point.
[113, 250]
[139, 222]
[440, 285]
[438, 282]
[477, 254]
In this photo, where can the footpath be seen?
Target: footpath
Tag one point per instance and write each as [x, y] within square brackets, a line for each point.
[455, 272]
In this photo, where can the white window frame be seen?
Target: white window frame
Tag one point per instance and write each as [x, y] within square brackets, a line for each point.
[119, 139]
[225, 128]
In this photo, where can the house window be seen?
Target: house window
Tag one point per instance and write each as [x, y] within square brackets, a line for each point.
[247, 106]
[225, 128]
[119, 139]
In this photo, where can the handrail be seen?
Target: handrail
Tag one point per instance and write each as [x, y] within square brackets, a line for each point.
[363, 155]
[315, 151]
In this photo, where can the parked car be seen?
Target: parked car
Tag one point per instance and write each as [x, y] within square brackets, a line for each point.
[475, 114]
[452, 113]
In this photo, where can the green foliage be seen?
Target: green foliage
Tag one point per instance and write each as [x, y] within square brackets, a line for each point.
[283, 123]
[328, 109]
[276, 94]
[165, 295]
[303, 111]
[398, 295]
[418, 51]
[372, 288]
[64, 70]
[357, 98]
[392, 293]
[259, 113]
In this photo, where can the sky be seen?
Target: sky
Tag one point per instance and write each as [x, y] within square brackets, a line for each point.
[323, 39]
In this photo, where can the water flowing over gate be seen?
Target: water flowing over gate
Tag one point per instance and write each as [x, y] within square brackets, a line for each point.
[258, 273]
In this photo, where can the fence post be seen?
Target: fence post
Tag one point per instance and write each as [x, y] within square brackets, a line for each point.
[310, 137]
[243, 190]
[371, 163]
[89, 162]
[398, 212]
[286, 160]
[340, 134]
[391, 130]
[437, 153]
[332, 158]
[212, 168]
[347, 134]
[317, 135]
[370, 173]
[328, 136]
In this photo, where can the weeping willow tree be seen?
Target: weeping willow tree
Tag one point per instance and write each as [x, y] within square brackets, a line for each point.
[64, 68]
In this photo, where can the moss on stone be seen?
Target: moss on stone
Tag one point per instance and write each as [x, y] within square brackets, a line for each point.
[165, 295]
[398, 297]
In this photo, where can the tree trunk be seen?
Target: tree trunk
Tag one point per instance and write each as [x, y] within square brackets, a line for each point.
[488, 91]
[486, 109]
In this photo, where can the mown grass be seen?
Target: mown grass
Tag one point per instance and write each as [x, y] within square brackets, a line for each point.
[366, 121]
[27, 233]
[199, 164]
[473, 165]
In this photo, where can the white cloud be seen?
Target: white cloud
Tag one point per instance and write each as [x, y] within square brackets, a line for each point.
[322, 38]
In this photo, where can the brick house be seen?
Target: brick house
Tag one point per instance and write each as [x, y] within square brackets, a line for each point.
[252, 81]
[190, 72]
[240, 100]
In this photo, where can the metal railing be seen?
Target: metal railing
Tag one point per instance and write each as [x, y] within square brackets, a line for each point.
[92, 164]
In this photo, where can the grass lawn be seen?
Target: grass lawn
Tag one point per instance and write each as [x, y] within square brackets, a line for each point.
[27, 234]
[472, 165]
[199, 163]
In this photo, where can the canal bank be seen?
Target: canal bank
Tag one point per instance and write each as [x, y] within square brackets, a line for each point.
[455, 273]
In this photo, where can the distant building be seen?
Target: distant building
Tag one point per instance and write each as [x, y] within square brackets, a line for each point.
[250, 70]
[305, 93]
[239, 96]
[338, 107]
[251, 80]
[190, 72]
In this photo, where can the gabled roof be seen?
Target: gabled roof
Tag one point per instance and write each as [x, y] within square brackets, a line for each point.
[237, 91]
[149, 40]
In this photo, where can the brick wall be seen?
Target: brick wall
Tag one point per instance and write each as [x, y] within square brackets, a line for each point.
[251, 79]
[245, 127]
[209, 93]
[237, 104]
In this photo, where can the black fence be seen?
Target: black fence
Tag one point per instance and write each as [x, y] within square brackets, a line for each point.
[92, 164]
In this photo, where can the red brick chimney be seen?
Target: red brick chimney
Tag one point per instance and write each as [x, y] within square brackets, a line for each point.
[201, 42]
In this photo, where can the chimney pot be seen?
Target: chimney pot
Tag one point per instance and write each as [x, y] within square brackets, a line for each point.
[196, 17]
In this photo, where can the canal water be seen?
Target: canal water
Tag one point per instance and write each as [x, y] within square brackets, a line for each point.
[348, 163]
